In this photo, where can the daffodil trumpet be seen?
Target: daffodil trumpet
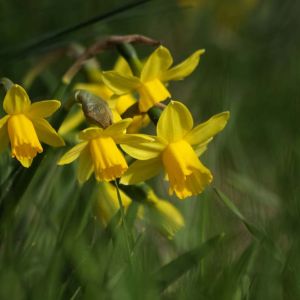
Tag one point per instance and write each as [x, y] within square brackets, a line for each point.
[175, 149]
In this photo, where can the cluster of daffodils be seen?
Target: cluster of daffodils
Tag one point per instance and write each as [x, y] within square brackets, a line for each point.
[106, 150]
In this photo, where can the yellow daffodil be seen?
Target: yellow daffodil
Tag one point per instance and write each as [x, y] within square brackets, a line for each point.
[161, 214]
[25, 127]
[119, 104]
[176, 148]
[156, 71]
[99, 152]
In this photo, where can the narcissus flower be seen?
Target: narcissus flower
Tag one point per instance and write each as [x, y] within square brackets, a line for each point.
[98, 151]
[25, 127]
[176, 149]
[117, 104]
[155, 72]
[159, 213]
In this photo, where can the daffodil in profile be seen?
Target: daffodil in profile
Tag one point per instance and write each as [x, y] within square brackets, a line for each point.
[24, 125]
[98, 151]
[156, 71]
[175, 149]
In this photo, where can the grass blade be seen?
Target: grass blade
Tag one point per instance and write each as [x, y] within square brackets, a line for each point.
[256, 232]
[169, 273]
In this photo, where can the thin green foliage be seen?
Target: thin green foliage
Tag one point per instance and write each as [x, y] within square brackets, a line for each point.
[53, 245]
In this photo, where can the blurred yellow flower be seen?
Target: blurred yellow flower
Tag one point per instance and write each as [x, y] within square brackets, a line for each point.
[161, 214]
[164, 215]
[107, 202]
[25, 127]
[176, 149]
[99, 153]
[156, 71]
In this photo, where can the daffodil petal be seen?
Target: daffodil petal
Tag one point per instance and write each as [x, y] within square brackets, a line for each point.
[118, 128]
[141, 170]
[46, 133]
[16, 100]
[183, 69]
[72, 154]
[90, 133]
[175, 122]
[200, 149]
[157, 63]
[204, 131]
[138, 122]
[85, 165]
[151, 92]
[122, 66]
[120, 84]
[43, 109]
[134, 139]
[4, 140]
[143, 150]
[122, 103]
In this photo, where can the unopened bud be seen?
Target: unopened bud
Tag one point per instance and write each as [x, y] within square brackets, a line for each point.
[96, 110]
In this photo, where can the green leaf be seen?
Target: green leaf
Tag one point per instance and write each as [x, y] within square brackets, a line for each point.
[169, 273]
[230, 205]
[256, 232]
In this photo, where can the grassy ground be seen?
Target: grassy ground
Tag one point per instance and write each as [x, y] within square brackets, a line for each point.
[241, 238]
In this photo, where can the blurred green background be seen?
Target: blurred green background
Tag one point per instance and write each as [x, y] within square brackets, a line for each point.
[252, 68]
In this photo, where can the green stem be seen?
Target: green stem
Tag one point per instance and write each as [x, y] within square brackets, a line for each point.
[129, 53]
[124, 224]
[154, 114]
[204, 212]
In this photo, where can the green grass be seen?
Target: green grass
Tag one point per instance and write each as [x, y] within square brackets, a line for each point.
[241, 239]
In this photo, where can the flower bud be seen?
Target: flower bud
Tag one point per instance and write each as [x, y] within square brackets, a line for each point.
[96, 110]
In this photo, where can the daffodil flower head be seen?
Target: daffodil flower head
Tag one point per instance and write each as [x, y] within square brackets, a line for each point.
[117, 104]
[156, 71]
[98, 151]
[24, 125]
[175, 149]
